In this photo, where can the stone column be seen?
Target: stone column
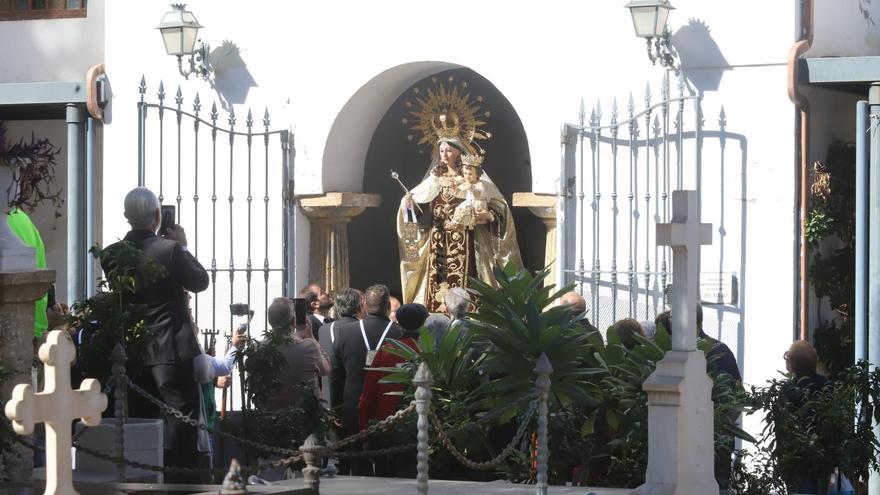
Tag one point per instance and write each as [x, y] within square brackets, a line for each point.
[18, 292]
[21, 284]
[543, 206]
[329, 215]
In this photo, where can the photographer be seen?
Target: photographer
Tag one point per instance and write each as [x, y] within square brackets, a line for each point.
[169, 371]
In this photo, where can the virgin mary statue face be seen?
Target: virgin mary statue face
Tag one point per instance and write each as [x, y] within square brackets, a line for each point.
[449, 155]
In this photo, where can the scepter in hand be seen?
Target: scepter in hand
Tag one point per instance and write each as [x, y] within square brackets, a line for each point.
[405, 190]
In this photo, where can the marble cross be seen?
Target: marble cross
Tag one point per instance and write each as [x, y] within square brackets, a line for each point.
[685, 234]
[57, 405]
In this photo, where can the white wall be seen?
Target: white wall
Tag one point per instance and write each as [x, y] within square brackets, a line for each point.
[306, 60]
[859, 19]
[52, 50]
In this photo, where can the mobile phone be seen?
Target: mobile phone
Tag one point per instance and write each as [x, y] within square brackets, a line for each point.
[50, 296]
[301, 310]
[169, 218]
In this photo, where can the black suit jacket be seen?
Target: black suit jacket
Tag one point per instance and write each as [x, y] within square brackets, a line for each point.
[329, 394]
[316, 325]
[167, 313]
[349, 357]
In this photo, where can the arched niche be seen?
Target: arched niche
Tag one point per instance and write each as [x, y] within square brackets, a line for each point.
[376, 142]
[352, 131]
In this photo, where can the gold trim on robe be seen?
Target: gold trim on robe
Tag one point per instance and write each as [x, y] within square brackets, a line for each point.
[439, 260]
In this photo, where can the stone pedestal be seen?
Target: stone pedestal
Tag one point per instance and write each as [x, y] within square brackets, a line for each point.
[543, 206]
[18, 292]
[680, 427]
[329, 215]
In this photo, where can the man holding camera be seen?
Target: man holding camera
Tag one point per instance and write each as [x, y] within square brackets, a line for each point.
[169, 371]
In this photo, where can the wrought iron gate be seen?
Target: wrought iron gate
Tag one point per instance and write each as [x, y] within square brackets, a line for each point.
[629, 163]
[241, 240]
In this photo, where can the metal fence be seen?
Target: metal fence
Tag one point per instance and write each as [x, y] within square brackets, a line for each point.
[247, 244]
[618, 170]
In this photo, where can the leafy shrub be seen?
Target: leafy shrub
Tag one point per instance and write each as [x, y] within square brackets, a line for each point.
[809, 432]
[110, 316]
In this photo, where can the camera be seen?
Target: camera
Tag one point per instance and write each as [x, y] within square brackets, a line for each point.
[239, 309]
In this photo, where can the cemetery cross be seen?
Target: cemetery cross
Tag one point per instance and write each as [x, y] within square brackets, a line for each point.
[685, 234]
[57, 405]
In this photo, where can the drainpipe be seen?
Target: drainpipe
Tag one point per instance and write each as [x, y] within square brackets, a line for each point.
[862, 228]
[803, 193]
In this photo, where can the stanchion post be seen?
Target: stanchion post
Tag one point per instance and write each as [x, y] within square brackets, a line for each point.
[312, 458]
[423, 382]
[542, 383]
[120, 387]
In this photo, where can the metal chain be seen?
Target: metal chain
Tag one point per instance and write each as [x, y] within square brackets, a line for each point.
[377, 452]
[380, 426]
[445, 440]
[164, 469]
[493, 414]
[183, 418]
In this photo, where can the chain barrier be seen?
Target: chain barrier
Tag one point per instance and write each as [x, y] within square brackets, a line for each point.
[380, 426]
[183, 418]
[447, 442]
[295, 456]
[377, 452]
[163, 469]
[486, 418]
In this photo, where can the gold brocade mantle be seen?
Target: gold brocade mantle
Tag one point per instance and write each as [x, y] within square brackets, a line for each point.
[440, 259]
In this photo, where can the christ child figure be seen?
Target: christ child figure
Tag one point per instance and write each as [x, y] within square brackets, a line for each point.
[474, 192]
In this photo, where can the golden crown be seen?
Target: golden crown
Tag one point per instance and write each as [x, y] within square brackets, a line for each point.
[446, 114]
[472, 160]
[446, 130]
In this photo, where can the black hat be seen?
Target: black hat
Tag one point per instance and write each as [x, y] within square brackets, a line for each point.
[412, 316]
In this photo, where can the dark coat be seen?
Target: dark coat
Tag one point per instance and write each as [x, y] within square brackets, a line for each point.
[328, 393]
[349, 358]
[167, 311]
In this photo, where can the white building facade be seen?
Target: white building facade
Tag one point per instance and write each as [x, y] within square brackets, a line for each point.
[330, 72]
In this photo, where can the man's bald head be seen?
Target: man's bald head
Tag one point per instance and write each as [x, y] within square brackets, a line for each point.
[577, 302]
[801, 358]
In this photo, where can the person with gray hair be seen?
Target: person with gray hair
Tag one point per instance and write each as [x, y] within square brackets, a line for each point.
[457, 304]
[169, 356]
[349, 306]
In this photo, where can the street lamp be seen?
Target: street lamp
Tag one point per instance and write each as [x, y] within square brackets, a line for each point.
[649, 20]
[179, 29]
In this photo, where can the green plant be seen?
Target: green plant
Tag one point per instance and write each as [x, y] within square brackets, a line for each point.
[111, 315]
[810, 430]
[832, 217]
[518, 325]
[619, 420]
[454, 360]
[288, 427]
[262, 362]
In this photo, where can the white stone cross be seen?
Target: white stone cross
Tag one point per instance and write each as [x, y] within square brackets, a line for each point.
[685, 234]
[57, 405]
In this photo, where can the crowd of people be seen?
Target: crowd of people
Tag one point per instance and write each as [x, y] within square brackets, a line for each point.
[336, 343]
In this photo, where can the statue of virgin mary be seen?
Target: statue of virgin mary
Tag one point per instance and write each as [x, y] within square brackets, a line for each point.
[437, 250]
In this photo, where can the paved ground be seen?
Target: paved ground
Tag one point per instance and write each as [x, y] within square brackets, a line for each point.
[347, 485]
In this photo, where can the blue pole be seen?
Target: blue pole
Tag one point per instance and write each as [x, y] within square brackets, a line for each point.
[75, 288]
[874, 252]
[90, 207]
[861, 247]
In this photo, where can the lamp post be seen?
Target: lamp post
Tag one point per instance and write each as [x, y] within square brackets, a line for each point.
[649, 21]
[179, 29]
